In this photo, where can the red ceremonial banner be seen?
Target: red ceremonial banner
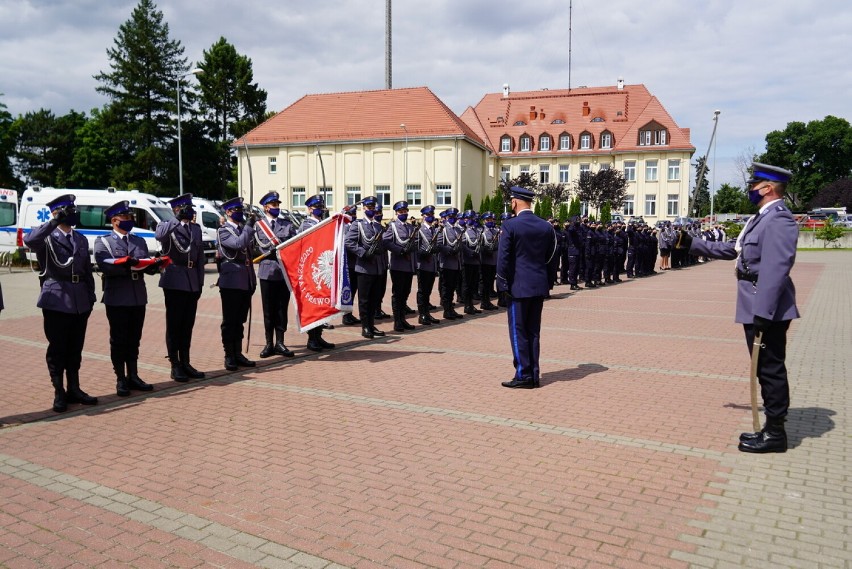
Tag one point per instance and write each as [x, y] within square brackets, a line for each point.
[313, 262]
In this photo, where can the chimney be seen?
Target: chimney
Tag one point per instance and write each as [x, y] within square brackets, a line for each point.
[533, 114]
[586, 109]
[541, 114]
[505, 90]
[620, 84]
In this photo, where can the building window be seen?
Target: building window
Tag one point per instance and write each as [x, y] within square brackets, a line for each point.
[353, 194]
[628, 206]
[606, 140]
[526, 143]
[413, 194]
[630, 170]
[298, 197]
[655, 137]
[672, 204]
[506, 144]
[327, 192]
[443, 194]
[505, 172]
[585, 141]
[525, 169]
[564, 142]
[605, 166]
[650, 170]
[660, 137]
[544, 143]
[520, 123]
[544, 174]
[674, 170]
[273, 165]
[383, 195]
[585, 169]
[650, 204]
[564, 174]
[584, 209]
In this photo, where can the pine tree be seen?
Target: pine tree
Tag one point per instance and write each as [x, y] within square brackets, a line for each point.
[606, 213]
[537, 208]
[468, 202]
[563, 213]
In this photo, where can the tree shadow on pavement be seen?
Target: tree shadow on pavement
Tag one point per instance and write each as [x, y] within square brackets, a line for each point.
[572, 374]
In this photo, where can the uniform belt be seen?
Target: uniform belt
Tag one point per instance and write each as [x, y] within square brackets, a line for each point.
[62, 278]
[744, 276]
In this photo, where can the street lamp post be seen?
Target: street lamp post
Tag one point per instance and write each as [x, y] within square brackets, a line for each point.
[405, 163]
[195, 71]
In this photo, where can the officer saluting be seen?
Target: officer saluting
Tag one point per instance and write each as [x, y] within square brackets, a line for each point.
[118, 255]
[527, 244]
[766, 298]
[181, 282]
[237, 280]
[66, 299]
[273, 288]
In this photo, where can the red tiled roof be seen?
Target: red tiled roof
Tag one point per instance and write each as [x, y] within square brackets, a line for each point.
[622, 112]
[361, 115]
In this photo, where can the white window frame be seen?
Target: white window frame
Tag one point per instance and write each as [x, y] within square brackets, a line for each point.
[674, 170]
[584, 209]
[644, 138]
[651, 204]
[353, 194]
[443, 194]
[630, 170]
[273, 165]
[383, 195]
[413, 194]
[606, 140]
[672, 204]
[505, 172]
[544, 173]
[525, 169]
[585, 141]
[652, 170]
[605, 166]
[564, 173]
[564, 142]
[327, 192]
[298, 196]
[526, 143]
[544, 143]
[629, 206]
[585, 169]
[659, 137]
[506, 144]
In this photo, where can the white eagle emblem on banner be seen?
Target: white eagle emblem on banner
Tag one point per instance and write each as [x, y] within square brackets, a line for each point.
[322, 270]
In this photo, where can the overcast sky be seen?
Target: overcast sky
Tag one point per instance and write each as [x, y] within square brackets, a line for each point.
[763, 63]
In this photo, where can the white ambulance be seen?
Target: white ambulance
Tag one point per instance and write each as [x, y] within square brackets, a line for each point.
[8, 220]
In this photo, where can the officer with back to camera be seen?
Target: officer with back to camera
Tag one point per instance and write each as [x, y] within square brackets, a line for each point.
[237, 281]
[181, 281]
[527, 244]
[766, 297]
[316, 212]
[66, 299]
[120, 255]
[274, 293]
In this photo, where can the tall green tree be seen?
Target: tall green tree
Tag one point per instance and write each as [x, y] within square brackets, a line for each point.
[818, 153]
[7, 149]
[574, 208]
[606, 213]
[731, 199]
[145, 66]
[45, 146]
[836, 194]
[563, 213]
[97, 154]
[701, 192]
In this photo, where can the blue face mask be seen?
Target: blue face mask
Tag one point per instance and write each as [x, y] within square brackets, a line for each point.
[126, 225]
[462, 222]
[237, 216]
[378, 216]
[451, 220]
[489, 224]
[402, 217]
[754, 196]
[274, 211]
[370, 213]
[72, 219]
[317, 212]
[429, 219]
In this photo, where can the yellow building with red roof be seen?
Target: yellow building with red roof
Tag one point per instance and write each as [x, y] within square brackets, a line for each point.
[406, 144]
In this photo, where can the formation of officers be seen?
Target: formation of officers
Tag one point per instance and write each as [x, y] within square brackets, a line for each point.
[455, 251]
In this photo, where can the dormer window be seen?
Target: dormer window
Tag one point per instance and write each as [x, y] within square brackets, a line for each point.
[557, 121]
[585, 141]
[606, 139]
[544, 143]
[520, 123]
[506, 143]
[653, 134]
[597, 119]
[564, 141]
[526, 143]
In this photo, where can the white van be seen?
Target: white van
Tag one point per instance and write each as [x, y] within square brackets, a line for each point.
[148, 211]
[8, 220]
[208, 217]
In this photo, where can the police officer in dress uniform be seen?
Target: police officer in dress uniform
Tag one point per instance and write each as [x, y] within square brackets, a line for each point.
[385, 262]
[118, 256]
[400, 238]
[766, 297]
[573, 250]
[66, 299]
[237, 280]
[527, 243]
[427, 264]
[449, 247]
[471, 247]
[274, 293]
[316, 211]
[364, 239]
[490, 238]
[502, 294]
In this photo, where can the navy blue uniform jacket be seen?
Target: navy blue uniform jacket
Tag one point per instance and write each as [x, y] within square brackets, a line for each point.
[526, 245]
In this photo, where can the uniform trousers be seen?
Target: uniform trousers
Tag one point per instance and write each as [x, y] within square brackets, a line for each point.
[400, 291]
[125, 333]
[449, 282]
[235, 309]
[631, 262]
[525, 335]
[573, 268]
[65, 333]
[369, 298]
[425, 284]
[771, 369]
[275, 297]
[471, 283]
[489, 273]
[181, 306]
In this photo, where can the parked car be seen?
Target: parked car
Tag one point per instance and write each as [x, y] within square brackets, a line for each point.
[636, 219]
[844, 221]
[814, 221]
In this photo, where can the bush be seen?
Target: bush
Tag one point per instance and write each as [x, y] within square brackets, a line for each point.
[829, 233]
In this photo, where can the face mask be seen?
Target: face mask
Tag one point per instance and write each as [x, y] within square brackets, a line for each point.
[489, 224]
[462, 222]
[754, 196]
[370, 213]
[237, 217]
[274, 211]
[317, 212]
[402, 217]
[186, 213]
[72, 219]
[451, 220]
[126, 225]
[378, 216]
[429, 219]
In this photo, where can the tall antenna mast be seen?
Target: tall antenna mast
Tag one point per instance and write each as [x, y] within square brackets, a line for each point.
[388, 44]
[570, 16]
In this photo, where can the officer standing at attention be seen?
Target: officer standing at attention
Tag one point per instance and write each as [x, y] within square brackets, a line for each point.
[385, 263]
[125, 296]
[237, 280]
[400, 238]
[364, 239]
[274, 292]
[181, 281]
[488, 257]
[449, 244]
[766, 298]
[471, 247]
[66, 299]
[316, 211]
[527, 244]
[427, 264]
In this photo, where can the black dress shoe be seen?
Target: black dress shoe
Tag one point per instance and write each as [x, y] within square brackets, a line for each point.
[77, 395]
[749, 436]
[282, 350]
[350, 320]
[367, 333]
[425, 320]
[488, 306]
[325, 345]
[575, 287]
[59, 404]
[230, 365]
[314, 346]
[472, 310]
[179, 374]
[121, 388]
[536, 383]
[327, 326]
[410, 311]
[407, 326]
[377, 332]
[399, 329]
[457, 315]
[135, 383]
[433, 319]
[267, 351]
[450, 315]
[767, 441]
[433, 307]
[243, 361]
[519, 384]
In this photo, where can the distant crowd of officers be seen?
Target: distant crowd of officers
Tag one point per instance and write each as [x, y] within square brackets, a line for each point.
[457, 250]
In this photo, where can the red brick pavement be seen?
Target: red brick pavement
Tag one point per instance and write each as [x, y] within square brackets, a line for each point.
[295, 453]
